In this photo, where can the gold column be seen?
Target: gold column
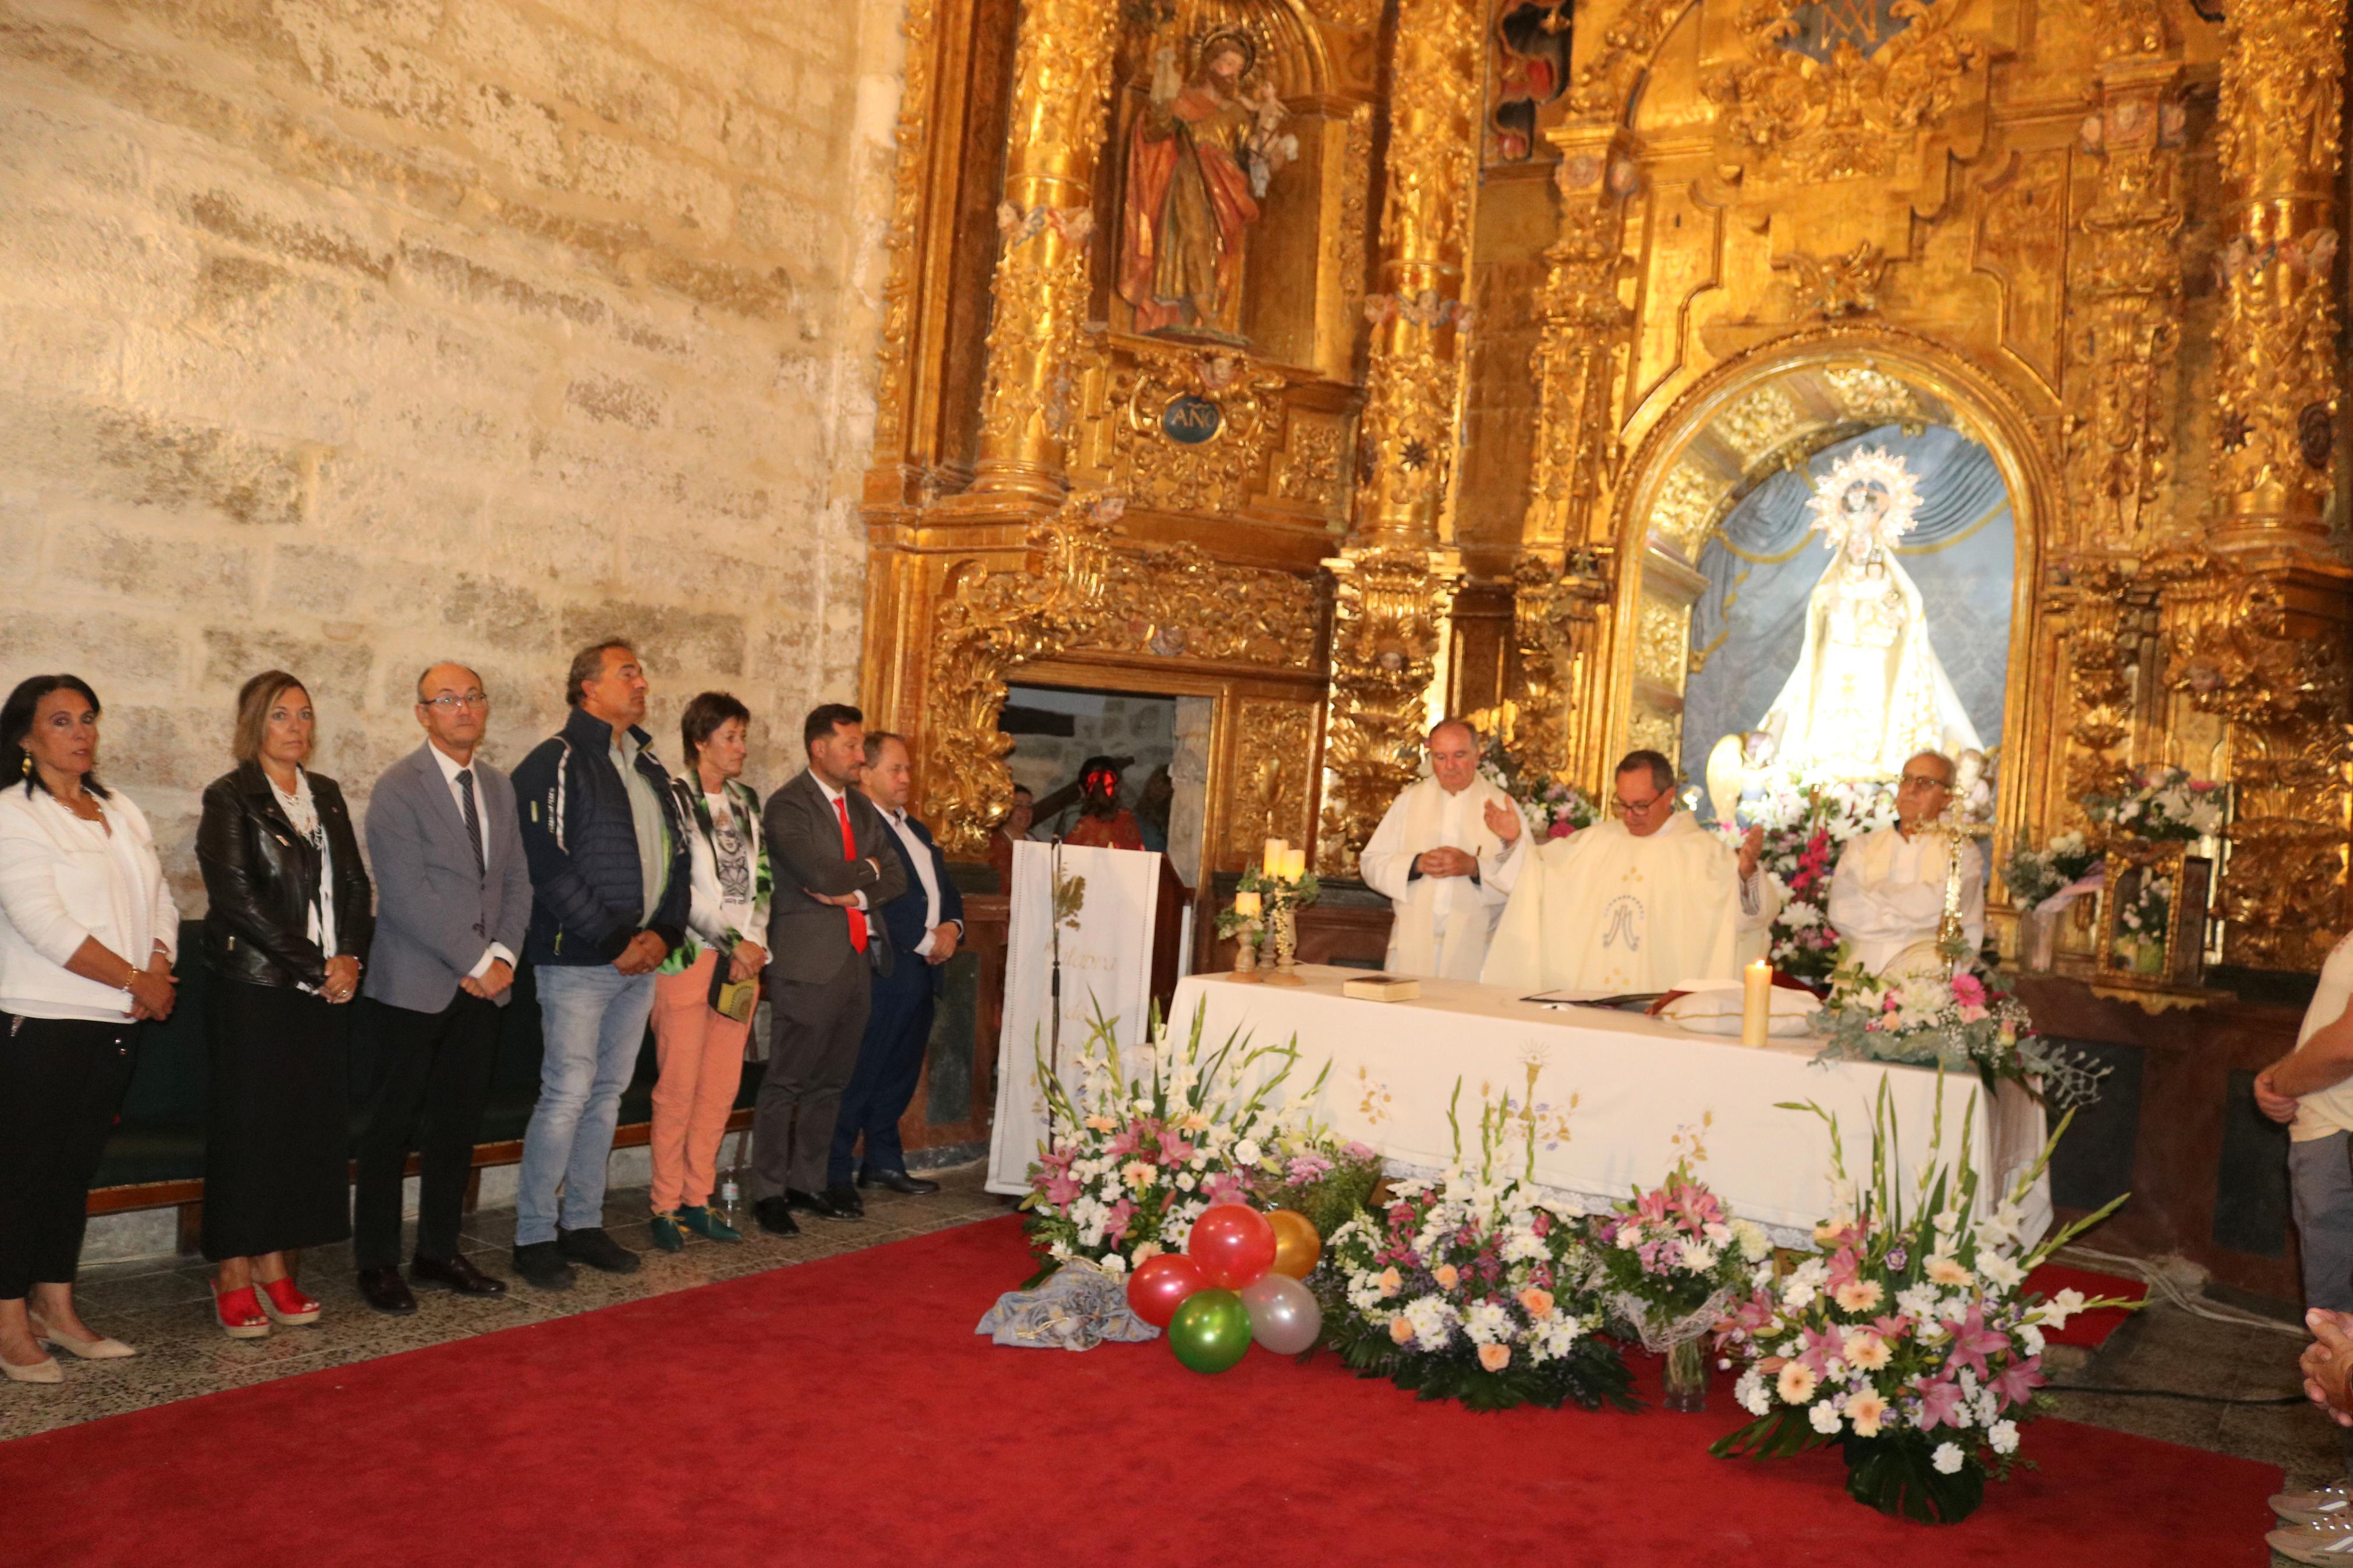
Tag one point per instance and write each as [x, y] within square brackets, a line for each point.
[1061, 90]
[2278, 136]
[1564, 576]
[1396, 573]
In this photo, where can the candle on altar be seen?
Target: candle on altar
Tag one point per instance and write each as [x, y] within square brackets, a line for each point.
[1756, 1003]
[1246, 903]
[1294, 864]
[1271, 866]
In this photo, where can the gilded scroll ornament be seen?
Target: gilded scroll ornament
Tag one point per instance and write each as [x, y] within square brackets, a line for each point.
[900, 285]
[1842, 285]
[1276, 742]
[1759, 422]
[1560, 609]
[1312, 468]
[1687, 509]
[1580, 345]
[1787, 115]
[1387, 617]
[1872, 395]
[1191, 431]
[1083, 587]
[1662, 642]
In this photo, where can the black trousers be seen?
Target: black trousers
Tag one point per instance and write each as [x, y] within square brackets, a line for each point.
[890, 1063]
[61, 1082]
[433, 1071]
[813, 1036]
[278, 1122]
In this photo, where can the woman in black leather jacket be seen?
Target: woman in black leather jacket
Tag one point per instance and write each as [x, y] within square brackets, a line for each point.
[288, 927]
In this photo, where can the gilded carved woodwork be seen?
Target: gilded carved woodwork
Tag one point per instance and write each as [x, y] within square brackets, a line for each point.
[1872, 395]
[1559, 610]
[1388, 621]
[1312, 467]
[1216, 474]
[1787, 116]
[1842, 285]
[1080, 586]
[2278, 137]
[1662, 643]
[2100, 690]
[1273, 784]
[1582, 341]
[904, 280]
[2237, 645]
[1061, 94]
[2122, 377]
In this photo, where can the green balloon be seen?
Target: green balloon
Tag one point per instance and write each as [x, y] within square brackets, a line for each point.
[1211, 1332]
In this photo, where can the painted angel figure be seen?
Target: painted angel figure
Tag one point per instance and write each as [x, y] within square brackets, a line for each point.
[1198, 160]
[1868, 691]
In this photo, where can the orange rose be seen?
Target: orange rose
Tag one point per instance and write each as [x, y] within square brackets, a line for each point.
[1399, 1330]
[1445, 1276]
[1535, 1303]
[1495, 1358]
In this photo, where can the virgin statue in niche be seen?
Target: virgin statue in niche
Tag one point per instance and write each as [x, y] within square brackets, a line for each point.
[1198, 160]
[1868, 692]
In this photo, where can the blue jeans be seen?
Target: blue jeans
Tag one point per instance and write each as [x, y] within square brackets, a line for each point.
[593, 1018]
[2320, 1185]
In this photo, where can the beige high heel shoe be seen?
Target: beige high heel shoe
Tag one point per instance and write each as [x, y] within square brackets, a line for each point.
[44, 1371]
[88, 1350]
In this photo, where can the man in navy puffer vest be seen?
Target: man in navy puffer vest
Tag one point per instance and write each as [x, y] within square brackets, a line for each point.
[611, 878]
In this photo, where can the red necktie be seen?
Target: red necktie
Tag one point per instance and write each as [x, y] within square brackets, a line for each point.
[850, 852]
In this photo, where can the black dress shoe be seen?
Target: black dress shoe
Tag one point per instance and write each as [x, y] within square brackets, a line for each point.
[828, 1203]
[386, 1291]
[541, 1265]
[594, 1247]
[897, 1182]
[454, 1274]
[775, 1216]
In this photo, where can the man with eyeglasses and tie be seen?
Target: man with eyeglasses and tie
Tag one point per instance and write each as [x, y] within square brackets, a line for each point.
[1888, 892]
[1645, 902]
[453, 898]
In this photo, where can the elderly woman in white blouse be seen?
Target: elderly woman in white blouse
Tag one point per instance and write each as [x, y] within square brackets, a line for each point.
[87, 934]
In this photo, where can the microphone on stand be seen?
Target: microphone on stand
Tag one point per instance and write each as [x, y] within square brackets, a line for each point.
[1054, 1028]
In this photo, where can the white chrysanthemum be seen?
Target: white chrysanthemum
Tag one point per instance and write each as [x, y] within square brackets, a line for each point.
[2030, 1338]
[1115, 1264]
[1755, 1245]
[1698, 1259]
[1750, 1390]
[1946, 1458]
[1825, 1418]
[1487, 1324]
[2003, 1435]
[1432, 1320]
[1918, 1301]
[1247, 1151]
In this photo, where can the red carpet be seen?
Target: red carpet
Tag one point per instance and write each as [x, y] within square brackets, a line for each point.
[2091, 1329]
[843, 1412]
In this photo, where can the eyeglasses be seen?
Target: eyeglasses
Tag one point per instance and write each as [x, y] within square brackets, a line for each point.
[450, 701]
[1636, 808]
[1922, 781]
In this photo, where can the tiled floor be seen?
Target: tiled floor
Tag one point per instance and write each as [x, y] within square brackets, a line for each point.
[162, 1308]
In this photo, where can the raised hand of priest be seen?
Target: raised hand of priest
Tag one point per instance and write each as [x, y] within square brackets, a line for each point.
[1751, 847]
[1503, 822]
[1444, 862]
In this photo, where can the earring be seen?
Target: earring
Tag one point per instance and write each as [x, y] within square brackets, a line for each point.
[28, 769]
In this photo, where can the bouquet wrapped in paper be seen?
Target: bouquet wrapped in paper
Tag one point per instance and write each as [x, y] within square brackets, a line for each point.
[1670, 1259]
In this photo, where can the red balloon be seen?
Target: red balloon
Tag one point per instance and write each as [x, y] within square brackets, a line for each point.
[1234, 1245]
[1161, 1284]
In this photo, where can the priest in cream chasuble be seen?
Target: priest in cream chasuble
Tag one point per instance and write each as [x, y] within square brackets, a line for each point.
[1645, 902]
[1438, 856]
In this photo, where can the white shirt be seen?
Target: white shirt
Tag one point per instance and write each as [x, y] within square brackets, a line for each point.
[2330, 1110]
[1889, 893]
[302, 813]
[63, 881]
[498, 951]
[920, 854]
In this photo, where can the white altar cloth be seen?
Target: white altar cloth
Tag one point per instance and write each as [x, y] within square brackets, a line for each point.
[1636, 1083]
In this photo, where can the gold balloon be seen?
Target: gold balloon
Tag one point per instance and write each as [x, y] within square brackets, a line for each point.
[1296, 1245]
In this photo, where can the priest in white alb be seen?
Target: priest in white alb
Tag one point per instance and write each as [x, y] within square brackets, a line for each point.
[1646, 903]
[1888, 892]
[1440, 860]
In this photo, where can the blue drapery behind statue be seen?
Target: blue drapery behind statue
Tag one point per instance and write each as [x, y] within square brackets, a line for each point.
[1750, 622]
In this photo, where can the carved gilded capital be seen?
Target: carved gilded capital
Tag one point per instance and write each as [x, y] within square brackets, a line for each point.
[1389, 618]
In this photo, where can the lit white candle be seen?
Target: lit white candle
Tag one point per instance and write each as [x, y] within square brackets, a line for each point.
[1271, 866]
[1294, 864]
[1756, 1003]
[1246, 903]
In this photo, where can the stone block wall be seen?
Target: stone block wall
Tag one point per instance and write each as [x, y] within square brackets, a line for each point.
[349, 334]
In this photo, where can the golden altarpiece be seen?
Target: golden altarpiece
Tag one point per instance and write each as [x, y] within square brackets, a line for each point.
[1230, 352]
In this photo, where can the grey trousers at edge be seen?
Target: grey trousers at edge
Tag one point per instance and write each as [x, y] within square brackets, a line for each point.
[815, 1028]
[2320, 1186]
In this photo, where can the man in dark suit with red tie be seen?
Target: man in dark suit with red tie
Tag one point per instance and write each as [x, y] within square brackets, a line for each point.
[835, 868]
[926, 925]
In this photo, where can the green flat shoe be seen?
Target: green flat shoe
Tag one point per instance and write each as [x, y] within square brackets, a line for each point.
[704, 1223]
[667, 1234]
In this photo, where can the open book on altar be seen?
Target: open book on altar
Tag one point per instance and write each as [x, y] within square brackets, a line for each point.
[1594, 998]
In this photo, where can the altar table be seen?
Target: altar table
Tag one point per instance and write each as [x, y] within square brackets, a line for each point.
[1614, 1090]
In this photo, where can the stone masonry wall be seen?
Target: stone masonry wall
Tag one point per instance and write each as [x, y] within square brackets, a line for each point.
[350, 334]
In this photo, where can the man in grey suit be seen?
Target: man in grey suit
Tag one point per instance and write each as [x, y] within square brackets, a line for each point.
[453, 896]
[834, 868]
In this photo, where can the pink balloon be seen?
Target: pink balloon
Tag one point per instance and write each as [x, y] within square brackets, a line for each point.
[1234, 1245]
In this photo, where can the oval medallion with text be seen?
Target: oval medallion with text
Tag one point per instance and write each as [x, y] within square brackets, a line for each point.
[1191, 419]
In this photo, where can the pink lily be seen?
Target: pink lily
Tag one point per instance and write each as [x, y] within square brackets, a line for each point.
[1972, 1340]
[1823, 1346]
[1940, 1402]
[1062, 1191]
[2018, 1381]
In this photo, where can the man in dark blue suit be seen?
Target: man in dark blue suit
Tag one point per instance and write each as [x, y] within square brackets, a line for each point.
[925, 922]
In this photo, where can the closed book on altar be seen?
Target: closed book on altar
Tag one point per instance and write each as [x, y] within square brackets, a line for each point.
[1381, 987]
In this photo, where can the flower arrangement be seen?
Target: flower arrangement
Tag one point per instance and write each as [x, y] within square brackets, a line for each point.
[2141, 924]
[2034, 876]
[2160, 803]
[1133, 1159]
[1670, 1259]
[1966, 1021]
[1325, 1180]
[1473, 1287]
[1906, 1337]
[1806, 824]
